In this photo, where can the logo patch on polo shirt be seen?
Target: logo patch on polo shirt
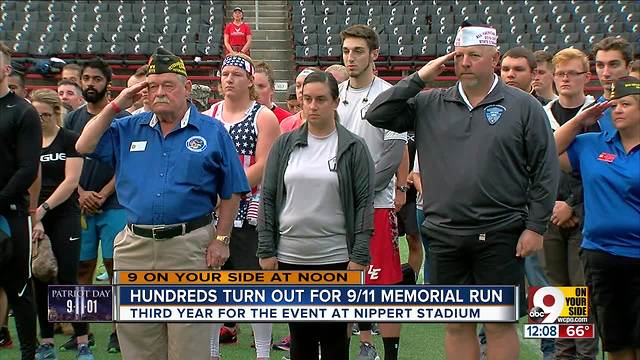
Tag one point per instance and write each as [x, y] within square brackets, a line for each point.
[493, 113]
[606, 157]
[196, 143]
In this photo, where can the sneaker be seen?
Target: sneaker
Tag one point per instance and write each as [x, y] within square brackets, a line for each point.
[367, 352]
[72, 343]
[483, 351]
[287, 356]
[114, 344]
[5, 339]
[102, 276]
[355, 330]
[84, 353]
[46, 352]
[284, 344]
[228, 336]
[374, 329]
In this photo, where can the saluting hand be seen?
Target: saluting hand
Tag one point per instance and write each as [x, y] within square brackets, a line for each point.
[434, 67]
[591, 115]
[130, 95]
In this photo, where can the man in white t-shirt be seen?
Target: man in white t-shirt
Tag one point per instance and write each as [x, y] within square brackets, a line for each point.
[360, 47]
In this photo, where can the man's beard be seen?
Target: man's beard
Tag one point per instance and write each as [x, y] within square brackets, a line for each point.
[95, 96]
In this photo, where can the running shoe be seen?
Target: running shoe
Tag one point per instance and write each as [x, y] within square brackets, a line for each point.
[114, 344]
[228, 336]
[46, 352]
[72, 343]
[284, 344]
[5, 338]
[84, 353]
[367, 352]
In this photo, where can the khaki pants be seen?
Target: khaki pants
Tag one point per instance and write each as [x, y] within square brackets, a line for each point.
[163, 341]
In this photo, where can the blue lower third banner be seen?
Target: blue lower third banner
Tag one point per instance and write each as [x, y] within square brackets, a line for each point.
[316, 303]
[80, 303]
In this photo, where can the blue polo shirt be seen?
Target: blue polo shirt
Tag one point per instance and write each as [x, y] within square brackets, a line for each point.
[172, 179]
[605, 122]
[611, 181]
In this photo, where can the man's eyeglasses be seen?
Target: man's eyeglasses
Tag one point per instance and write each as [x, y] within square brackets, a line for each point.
[568, 74]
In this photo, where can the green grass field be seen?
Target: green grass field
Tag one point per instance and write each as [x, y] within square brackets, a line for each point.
[418, 342]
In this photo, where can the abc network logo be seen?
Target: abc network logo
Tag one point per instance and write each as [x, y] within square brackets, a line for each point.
[547, 304]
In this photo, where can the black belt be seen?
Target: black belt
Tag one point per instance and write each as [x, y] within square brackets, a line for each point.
[170, 231]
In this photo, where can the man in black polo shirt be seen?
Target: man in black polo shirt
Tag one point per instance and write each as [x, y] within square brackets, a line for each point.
[20, 142]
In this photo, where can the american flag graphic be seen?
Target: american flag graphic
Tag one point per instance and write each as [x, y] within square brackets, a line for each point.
[245, 137]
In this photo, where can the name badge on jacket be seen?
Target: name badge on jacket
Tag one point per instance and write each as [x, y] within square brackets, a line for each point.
[606, 157]
[138, 146]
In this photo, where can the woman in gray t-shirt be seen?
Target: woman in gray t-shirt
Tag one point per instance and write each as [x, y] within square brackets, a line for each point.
[317, 201]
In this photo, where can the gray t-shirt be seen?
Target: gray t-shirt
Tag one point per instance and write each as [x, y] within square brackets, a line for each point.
[312, 223]
[352, 117]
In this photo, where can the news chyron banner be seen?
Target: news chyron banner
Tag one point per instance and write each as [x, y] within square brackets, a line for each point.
[286, 296]
[559, 313]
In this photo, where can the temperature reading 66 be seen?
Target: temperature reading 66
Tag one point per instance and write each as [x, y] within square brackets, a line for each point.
[576, 331]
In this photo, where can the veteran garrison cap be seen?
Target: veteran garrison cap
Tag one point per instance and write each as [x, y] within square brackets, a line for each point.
[163, 61]
[627, 85]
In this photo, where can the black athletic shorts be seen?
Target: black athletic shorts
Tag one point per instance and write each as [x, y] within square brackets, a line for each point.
[407, 221]
[614, 291]
[243, 249]
[478, 260]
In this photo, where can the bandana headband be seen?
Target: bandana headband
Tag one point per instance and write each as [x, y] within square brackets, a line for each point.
[238, 61]
[304, 73]
[476, 35]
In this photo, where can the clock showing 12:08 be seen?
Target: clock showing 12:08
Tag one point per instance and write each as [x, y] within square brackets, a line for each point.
[80, 303]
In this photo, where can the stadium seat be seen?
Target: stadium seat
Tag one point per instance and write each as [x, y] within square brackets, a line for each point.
[305, 29]
[445, 38]
[522, 39]
[400, 52]
[397, 11]
[493, 19]
[517, 28]
[351, 20]
[444, 20]
[329, 20]
[473, 18]
[329, 51]
[584, 8]
[142, 49]
[308, 39]
[120, 8]
[447, 29]
[615, 28]
[310, 51]
[592, 39]
[330, 39]
[395, 29]
[423, 51]
[569, 38]
[546, 38]
[417, 29]
[375, 10]
[442, 49]
[593, 28]
[115, 49]
[68, 48]
[183, 49]
[564, 28]
[464, 9]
